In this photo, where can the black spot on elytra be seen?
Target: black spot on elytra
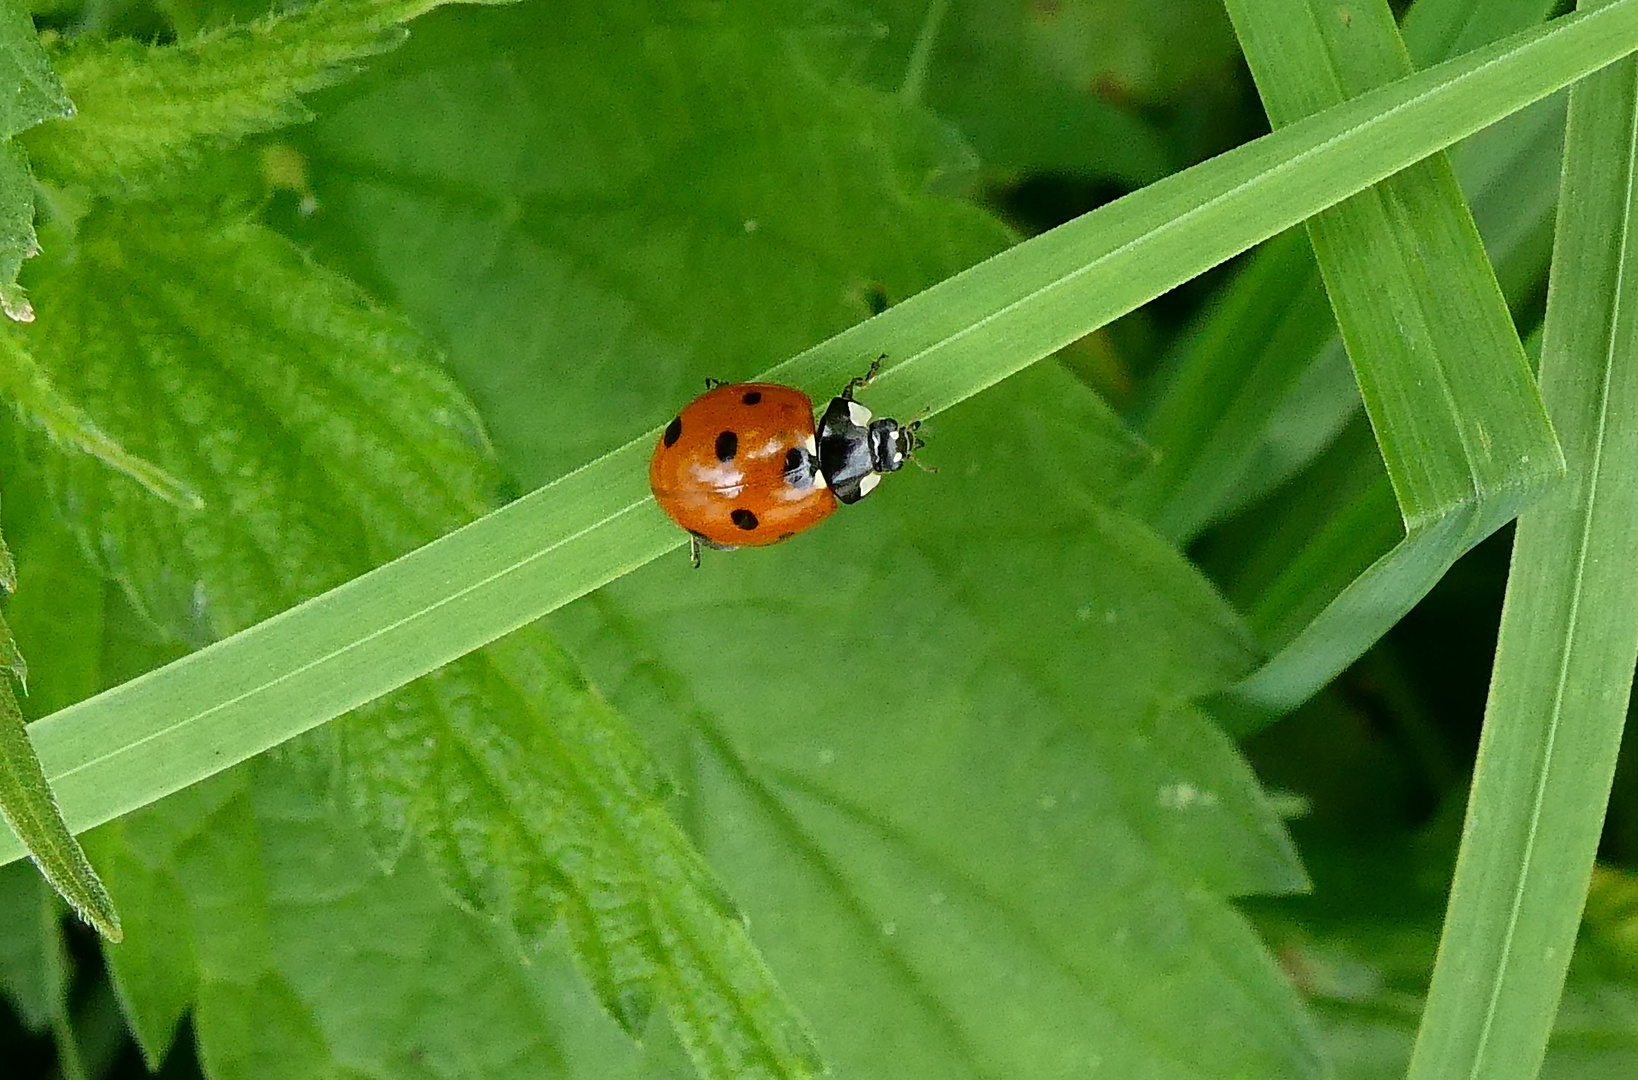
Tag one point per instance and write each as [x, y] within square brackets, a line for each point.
[673, 431]
[744, 519]
[752, 397]
[727, 446]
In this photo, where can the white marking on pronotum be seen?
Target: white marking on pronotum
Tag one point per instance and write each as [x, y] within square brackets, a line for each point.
[858, 414]
[818, 478]
[867, 483]
[809, 445]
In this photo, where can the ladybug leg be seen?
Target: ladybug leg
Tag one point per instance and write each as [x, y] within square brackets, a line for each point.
[859, 382]
[694, 550]
[712, 384]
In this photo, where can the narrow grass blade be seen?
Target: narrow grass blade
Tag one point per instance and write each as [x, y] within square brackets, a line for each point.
[1440, 367]
[142, 740]
[1273, 371]
[1444, 379]
[1443, 375]
[1569, 636]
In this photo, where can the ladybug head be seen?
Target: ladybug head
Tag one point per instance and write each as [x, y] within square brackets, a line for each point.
[892, 444]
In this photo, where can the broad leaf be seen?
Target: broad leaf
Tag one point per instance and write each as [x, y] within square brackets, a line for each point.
[31, 94]
[944, 839]
[328, 436]
[146, 110]
[41, 404]
[254, 901]
[26, 800]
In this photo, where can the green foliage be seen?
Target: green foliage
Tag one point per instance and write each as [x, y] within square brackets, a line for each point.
[32, 94]
[1569, 634]
[143, 109]
[26, 799]
[533, 801]
[942, 766]
[41, 403]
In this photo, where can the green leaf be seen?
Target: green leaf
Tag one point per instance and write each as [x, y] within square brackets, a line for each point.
[28, 806]
[39, 403]
[17, 240]
[925, 833]
[26, 799]
[560, 225]
[34, 92]
[1569, 635]
[146, 110]
[326, 426]
[354, 643]
[855, 775]
[32, 95]
[33, 961]
[254, 900]
[972, 61]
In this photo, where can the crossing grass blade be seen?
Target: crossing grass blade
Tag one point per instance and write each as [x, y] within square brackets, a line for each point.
[162, 731]
[1569, 636]
[1262, 384]
[1445, 381]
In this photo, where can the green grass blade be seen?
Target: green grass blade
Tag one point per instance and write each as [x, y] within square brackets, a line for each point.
[1445, 381]
[1569, 636]
[1429, 334]
[142, 740]
[1262, 385]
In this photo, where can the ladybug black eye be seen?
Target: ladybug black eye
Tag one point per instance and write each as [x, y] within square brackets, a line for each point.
[752, 397]
[796, 460]
[673, 431]
[727, 446]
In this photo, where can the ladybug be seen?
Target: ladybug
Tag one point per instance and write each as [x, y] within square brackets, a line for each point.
[744, 466]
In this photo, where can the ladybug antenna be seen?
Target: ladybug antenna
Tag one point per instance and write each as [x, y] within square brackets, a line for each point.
[913, 442]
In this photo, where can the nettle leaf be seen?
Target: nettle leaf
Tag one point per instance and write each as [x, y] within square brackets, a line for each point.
[943, 745]
[26, 801]
[33, 964]
[29, 94]
[148, 109]
[307, 960]
[940, 748]
[973, 61]
[256, 896]
[701, 226]
[326, 440]
[41, 404]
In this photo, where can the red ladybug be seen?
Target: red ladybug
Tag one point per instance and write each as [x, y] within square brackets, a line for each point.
[743, 465]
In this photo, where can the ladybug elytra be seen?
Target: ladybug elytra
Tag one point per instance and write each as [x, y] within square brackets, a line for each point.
[744, 466]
